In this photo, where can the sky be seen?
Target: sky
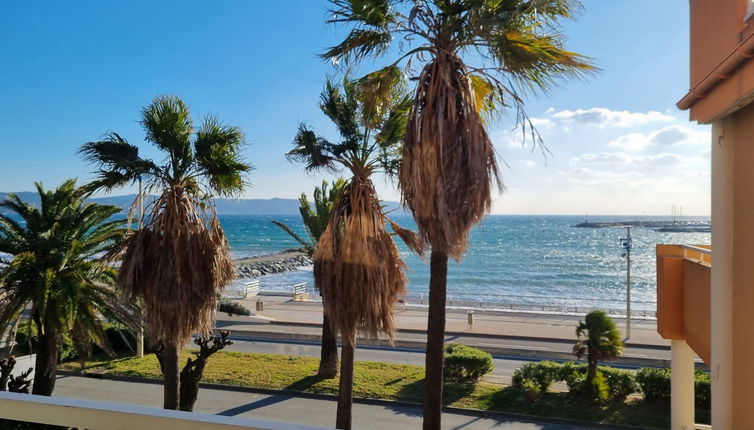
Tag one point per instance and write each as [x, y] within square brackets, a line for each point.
[71, 71]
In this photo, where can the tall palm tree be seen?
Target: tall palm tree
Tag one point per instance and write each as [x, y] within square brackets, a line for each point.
[599, 340]
[357, 265]
[179, 260]
[476, 57]
[315, 222]
[58, 268]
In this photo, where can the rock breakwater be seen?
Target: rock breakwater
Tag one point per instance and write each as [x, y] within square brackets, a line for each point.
[254, 267]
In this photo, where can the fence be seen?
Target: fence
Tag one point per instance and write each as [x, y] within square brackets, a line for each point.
[251, 289]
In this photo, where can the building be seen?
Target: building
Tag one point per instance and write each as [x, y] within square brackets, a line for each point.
[721, 94]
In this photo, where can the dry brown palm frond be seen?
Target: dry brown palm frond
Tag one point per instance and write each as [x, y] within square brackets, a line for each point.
[448, 159]
[177, 263]
[411, 239]
[358, 266]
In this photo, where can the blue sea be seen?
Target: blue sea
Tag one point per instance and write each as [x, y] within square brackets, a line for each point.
[511, 259]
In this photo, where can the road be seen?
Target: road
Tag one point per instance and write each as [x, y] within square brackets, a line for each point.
[519, 346]
[285, 408]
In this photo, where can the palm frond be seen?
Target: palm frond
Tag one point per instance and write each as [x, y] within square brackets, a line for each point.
[217, 150]
[358, 45]
[167, 123]
[118, 163]
[307, 244]
[308, 148]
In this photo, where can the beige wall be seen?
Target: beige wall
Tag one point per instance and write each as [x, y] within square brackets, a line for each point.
[741, 144]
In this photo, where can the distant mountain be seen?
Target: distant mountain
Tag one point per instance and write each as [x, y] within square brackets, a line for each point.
[224, 206]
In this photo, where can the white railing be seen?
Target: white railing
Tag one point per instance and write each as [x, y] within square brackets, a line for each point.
[300, 291]
[251, 289]
[702, 427]
[705, 255]
[113, 416]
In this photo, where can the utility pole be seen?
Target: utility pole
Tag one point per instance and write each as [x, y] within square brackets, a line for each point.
[627, 244]
[140, 334]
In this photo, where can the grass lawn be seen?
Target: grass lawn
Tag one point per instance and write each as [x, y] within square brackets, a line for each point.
[395, 382]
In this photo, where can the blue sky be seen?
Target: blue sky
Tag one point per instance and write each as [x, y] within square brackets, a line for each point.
[70, 71]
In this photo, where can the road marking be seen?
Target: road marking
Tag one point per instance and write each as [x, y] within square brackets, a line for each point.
[513, 346]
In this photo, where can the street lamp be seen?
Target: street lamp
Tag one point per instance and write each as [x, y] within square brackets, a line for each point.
[627, 244]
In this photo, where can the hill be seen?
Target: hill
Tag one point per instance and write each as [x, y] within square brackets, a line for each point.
[276, 206]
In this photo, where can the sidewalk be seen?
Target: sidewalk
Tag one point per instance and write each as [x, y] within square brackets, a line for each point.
[500, 333]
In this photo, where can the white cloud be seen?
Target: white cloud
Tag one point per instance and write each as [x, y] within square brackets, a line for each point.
[674, 135]
[622, 160]
[602, 117]
[526, 163]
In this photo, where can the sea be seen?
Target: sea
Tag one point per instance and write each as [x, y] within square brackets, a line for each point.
[512, 259]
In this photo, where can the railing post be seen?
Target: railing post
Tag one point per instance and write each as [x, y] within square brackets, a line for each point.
[681, 386]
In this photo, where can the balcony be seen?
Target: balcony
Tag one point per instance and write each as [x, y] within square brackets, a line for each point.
[684, 294]
[111, 416]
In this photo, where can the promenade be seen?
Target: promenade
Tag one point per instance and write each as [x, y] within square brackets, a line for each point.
[502, 333]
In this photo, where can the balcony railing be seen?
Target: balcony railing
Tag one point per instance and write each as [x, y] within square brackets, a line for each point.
[112, 416]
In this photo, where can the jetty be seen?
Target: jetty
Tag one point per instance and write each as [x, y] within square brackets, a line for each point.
[662, 226]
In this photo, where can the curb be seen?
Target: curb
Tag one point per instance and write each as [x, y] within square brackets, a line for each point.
[363, 400]
[522, 352]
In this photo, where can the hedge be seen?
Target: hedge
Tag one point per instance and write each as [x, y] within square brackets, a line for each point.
[653, 383]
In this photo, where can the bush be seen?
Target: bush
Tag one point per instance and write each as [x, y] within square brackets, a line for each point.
[654, 383]
[621, 383]
[597, 391]
[542, 375]
[466, 364]
[702, 389]
[233, 308]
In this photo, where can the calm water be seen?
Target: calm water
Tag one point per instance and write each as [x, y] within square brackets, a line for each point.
[520, 259]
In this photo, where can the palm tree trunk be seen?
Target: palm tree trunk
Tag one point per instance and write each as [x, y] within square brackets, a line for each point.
[46, 363]
[438, 279]
[345, 389]
[328, 362]
[171, 376]
[591, 368]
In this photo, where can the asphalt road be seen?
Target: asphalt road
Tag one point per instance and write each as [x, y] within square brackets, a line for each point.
[286, 408]
[522, 348]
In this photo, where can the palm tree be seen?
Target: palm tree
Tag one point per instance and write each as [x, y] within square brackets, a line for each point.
[599, 340]
[179, 260]
[58, 268]
[476, 57]
[315, 221]
[357, 265]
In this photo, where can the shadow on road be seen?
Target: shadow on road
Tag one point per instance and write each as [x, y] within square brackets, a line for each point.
[238, 410]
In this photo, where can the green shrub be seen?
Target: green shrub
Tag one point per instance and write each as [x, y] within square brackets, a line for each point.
[621, 383]
[542, 375]
[233, 308]
[597, 391]
[466, 364]
[654, 383]
[702, 389]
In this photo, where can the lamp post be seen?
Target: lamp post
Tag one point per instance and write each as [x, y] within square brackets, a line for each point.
[140, 333]
[626, 242]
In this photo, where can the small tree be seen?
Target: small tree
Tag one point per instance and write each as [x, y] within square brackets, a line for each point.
[598, 339]
[315, 222]
[179, 260]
